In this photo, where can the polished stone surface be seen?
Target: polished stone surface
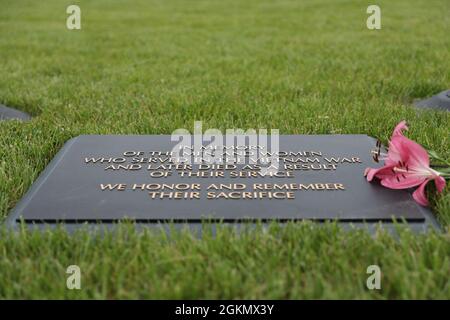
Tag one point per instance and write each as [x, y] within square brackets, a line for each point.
[69, 190]
[440, 101]
[7, 113]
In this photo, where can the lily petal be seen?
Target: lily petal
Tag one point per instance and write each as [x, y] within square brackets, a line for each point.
[396, 151]
[440, 184]
[380, 173]
[418, 156]
[398, 131]
[419, 195]
[399, 182]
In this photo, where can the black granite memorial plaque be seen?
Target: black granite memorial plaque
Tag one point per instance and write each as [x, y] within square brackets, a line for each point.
[7, 113]
[440, 101]
[105, 179]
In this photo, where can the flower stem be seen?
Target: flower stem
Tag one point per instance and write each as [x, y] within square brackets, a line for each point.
[435, 156]
[445, 174]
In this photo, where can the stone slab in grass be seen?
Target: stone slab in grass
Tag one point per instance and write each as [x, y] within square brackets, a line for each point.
[99, 179]
[7, 113]
[440, 101]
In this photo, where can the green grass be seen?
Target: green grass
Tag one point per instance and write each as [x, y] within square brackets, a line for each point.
[298, 261]
[149, 67]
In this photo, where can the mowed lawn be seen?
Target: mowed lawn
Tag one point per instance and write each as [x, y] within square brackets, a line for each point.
[150, 67]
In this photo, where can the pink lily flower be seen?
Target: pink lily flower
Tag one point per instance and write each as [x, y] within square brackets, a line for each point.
[406, 165]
